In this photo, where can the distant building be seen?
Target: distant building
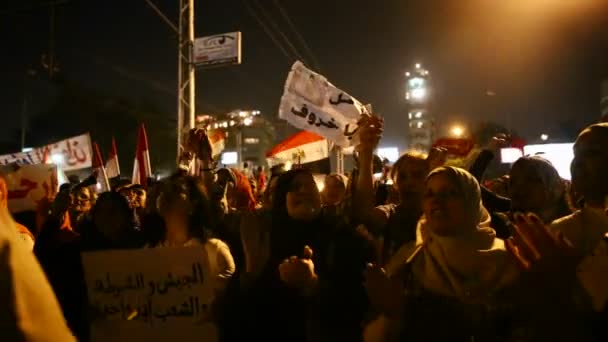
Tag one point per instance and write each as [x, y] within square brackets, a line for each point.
[420, 120]
[248, 136]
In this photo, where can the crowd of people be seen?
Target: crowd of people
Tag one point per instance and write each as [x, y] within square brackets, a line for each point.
[436, 257]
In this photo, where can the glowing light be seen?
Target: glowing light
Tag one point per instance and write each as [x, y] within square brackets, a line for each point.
[419, 94]
[407, 74]
[418, 115]
[27, 149]
[417, 65]
[288, 166]
[57, 159]
[248, 121]
[243, 114]
[510, 155]
[419, 124]
[457, 131]
[544, 137]
[232, 123]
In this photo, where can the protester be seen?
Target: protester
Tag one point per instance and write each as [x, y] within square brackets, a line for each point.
[334, 189]
[455, 261]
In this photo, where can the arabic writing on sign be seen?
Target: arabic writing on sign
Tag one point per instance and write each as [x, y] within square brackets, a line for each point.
[136, 298]
[311, 103]
[75, 154]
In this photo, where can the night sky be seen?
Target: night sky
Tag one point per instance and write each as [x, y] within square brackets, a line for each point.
[544, 59]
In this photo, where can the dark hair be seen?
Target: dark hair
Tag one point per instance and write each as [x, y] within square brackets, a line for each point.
[200, 219]
[119, 201]
[284, 185]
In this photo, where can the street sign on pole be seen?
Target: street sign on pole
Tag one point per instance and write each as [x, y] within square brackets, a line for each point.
[218, 50]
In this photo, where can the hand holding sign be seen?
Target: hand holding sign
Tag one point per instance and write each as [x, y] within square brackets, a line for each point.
[311, 103]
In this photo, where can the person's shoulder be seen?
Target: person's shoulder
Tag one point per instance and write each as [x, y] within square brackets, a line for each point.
[217, 243]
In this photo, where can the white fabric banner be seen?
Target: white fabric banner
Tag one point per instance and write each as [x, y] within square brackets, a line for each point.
[69, 154]
[151, 294]
[312, 103]
[28, 184]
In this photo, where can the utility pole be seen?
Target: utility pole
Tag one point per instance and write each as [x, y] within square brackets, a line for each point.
[185, 71]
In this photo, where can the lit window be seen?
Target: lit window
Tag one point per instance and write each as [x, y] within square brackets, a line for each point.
[419, 124]
[418, 115]
[251, 141]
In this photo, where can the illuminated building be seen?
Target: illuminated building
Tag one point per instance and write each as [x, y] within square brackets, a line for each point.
[420, 121]
[248, 135]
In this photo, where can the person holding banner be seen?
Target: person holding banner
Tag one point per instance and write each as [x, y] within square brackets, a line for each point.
[186, 220]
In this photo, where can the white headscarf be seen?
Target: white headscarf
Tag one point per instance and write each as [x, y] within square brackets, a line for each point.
[471, 264]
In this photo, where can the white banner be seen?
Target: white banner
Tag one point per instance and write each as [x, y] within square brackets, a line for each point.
[220, 49]
[69, 154]
[311, 103]
[151, 294]
[28, 184]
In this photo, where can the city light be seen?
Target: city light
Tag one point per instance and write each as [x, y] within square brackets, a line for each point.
[407, 74]
[243, 114]
[457, 131]
[418, 115]
[232, 123]
[57, 159]
[248, 121]
[544, 137]
[27, 149]
[417, 65]
[419, 94]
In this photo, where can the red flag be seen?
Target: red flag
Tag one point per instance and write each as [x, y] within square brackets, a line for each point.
[102, 178]
[141, 166]
[112, 166]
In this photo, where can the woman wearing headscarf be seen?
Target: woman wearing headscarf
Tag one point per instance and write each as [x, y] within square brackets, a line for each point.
[536, 187]
[452, 277]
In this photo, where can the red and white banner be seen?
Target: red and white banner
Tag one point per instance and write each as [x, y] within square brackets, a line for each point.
[112, 166]
[141, 166]
[306, 149]
[103, 184]
[28, 184]
[70, 154]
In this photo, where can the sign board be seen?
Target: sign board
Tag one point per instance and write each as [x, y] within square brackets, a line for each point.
[560, 155]
[217, 50]
[69, 154]
[152, 294]
[28, 184]
[311, 103]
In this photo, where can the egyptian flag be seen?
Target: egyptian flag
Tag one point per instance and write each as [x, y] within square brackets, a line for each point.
[302, 150]
[103, 184]
[141, 166]
[217, 138]
[112, 166]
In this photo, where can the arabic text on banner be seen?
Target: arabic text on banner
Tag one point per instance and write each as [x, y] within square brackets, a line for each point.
[310, 102]
[28, 184]
[75, 152]
[152, 294]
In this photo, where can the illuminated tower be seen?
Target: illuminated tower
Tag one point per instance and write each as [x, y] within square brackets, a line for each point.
[420, 122]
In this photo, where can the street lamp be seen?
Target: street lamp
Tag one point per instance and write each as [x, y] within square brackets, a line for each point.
[544, 137]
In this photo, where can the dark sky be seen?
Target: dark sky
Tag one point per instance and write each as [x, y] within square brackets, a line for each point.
[544, 59]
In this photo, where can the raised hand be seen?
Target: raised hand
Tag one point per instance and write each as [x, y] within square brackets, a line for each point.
[548, 259]
[497, 142]
[299, 272]
[370, 132]
[198, 144]
[437, 157]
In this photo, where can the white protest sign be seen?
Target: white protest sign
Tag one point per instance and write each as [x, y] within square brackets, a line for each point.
[313, 104]
[28, 184]
[69, 154]
[152, 294]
